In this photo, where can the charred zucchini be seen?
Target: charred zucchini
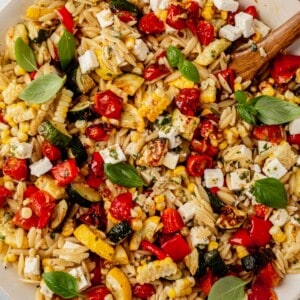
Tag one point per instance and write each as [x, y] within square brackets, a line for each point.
[215, 203]
[81, 111]
[121, 5]
[37, 34]
[82, 194]
[119, 232]
[215, 262]
[59, 214]
[201, 263]
[77, 150]
[257, 260]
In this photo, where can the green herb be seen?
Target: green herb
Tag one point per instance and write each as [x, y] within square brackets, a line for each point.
[268, 110]
[174, 56]
[123, 174]
[61, 284]
[66, 49]
[42, 89]
[254, 47]
[25, 56]
[270, 192]
[228, 288]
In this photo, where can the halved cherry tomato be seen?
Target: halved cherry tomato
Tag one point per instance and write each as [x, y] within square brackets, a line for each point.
[242, 237]
[108, 104]
[4, 193]
[97, 293]
[143, 291]
[268, 276]
[198, 145]
[95, 216]
[98, 132]
[207, 281]
[187, 101]
[97, 164]
[205, 32]
[121, 206]
[51, 151]
[261, 292]
[294, 139]
[270, 133]
[229, 76]
[207, 127]
[93, 181]
[65, 172]
[197, 163]
[171, 220]
[16, 168]
[155, 71]
[25, 223]
[261, 210]
[66, 19]
[177, 16]
[251, 10]
[259, 231]
[284, 68]
[155, 250]
[125, 16]
[29, 191]
[151, 24]
[194, 10]
[212, 150]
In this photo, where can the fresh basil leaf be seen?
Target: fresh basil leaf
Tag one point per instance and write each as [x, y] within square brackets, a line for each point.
[273, 111]
[246, 113]
[240, 97]
[25, 56]
[61, 284]
[228, 288]
[270, 192]
[42, 89]
[66, 49]
[123, 174]
[174, 56]
[189, 71]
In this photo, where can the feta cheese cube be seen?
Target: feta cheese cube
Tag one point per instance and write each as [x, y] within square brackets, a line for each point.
[113, 154]
[188, 210]
[256, 168]
[231, 33]
[244, 22]
[238, 152]
[170, 133]
[105, 18]
[40, 167]
[213, 178]
[294, 126]
[274, 168]
[159, 4]
[32, 266]
[88, 61]
[82, 280]
[170, 160]
[199, 236]
[239, 179]
[228, 5]
[140, 50]
[258, 176]
[263, 146]
[68, 245]
[21, 150]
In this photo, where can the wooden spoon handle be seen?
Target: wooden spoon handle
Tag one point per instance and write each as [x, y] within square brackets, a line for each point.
[246, 63]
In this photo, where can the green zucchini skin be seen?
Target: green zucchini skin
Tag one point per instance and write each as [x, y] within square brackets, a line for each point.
[120, 5]
[215, 262]
[215, 202]
[119, 232]
[82, 111]
[201, 270]
[78, 151]
[257, 260]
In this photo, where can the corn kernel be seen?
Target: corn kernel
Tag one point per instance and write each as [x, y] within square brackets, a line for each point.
[136, 224]
[208, 12]
[2, 105]
[224, 15]
[241, 251]
[22, 137]
[231, 135]
[268, 91]
[135, 136]
[238, 87]
[206, 112]
[162, 14]
[48, 269]
[278, 235]
[171, 293]
[191, 187]
[209, 95]
[130, 42]
[160, 206]
[297, 78]
[257, 37]
[10, 258]
[159, 198]
[212, 246]
[179, 171]
[46, 262]
[19, 71]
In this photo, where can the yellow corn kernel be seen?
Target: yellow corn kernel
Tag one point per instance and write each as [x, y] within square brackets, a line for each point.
[241, 251]
[290, 231]
[11, 258]
[46, 262]
[182, 83]
[212, 246]
[19, 71]
[208, 12]
[297, 78]
[24, 127]
[2, 105]
[271, 80]
[130, 42]
[191, 187]
[209, 95]
[268, 91]
[231, 135]
[278, 235]
[171, 293]
[206, 111]
[179, 171]
[34, 12]
[136, 224]
[238, 87]
[160, 206]
[257, 37]
[48, 269]
[68, 227]
[159, 198]
[22, 136]
[224, 15]
[162, 14]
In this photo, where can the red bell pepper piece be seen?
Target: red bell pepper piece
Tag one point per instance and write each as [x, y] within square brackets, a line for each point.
[197, 163]
[25, 223]
[229, 76]
[15, 168]
[151, 24]
[4, 193]
[261, 292]
[31, 189]
[259, 231]
[171, 220]
[143, 291]
[261, 210]
[96, 293]
[268, 276]
[205, 32]
[187, 101]
[284, 68]
[125, 16]
[121, 206]
[177, 16]
[242, 237]
[65, 172]
[51, 151]
[251, 10]
[270, 133]
[93, 181]
[294, 139]
[207, 281]
[66, 19]
[155, 71]
[176, 247]
[98, 132]
[95, 216]
[159, 253]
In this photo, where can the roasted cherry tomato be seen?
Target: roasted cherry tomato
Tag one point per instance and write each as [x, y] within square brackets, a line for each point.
[284, 68]
[230, 18]
[96, 293]
[25, 223]
[206, 282]
[268, 276]
[207, 127]
[270, 133]
[98, 132]
[66, 19]
[199, 146]
[261, 292]
[121, 206]
[95, 216]
[194, 10]
[155, 250]
[15, 168]
[251, 10]
[143, 291]
[176, 17]
[294, 139]
[261, 210]
[242, 237]
[155, 71]
[97, 164]
[205, 32]
[151, 24]
[51, 151]
[4, 193]
[197, 163]
[125, 16]
[229, 76]
[171, 220]
[108, 104]
[65, 172]
[187, 101]
[29, 191]
[259, 231]
[93, 181]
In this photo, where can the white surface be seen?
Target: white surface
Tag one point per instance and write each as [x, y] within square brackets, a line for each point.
[273, 12]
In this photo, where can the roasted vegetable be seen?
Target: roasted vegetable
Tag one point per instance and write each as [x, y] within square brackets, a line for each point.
[215, 262]
[78, 151]
[82, 194]
[215, 202]
[59, 214]
[257, 260]
[124, 5]
[119, 232]
[81, 111]
[230, 217]
[129, 83]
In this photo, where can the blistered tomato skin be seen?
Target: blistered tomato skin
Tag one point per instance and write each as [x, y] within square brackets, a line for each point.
[187, 101]
[98, 132]
[143, 291]
[270, 133]
[155, 71]
[121, 206]
[176, 17]
[65, 172]
[197, 163]
[151, 24]
[15, 168]
[51, 151]
[205, 32]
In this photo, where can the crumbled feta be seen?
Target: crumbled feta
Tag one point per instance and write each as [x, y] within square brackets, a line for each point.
[170, 133]
[113, 154]
[256, 168]
[21, 150]
[239, 179]
[231, 33]
[40, 167]
[279, 217]
[170, 160]
[213, 178]
[140, 50]
[263, 146]
[88, 61]
[244, 22]
[105, 18]
[294, 126]
[188, 210]
[159, 4]
[32, 266]
[82, 280]
[274, 168]
[228, 5]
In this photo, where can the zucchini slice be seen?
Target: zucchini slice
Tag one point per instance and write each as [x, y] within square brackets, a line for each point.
[55, 133]
[81, 111]
[59, 214]
[82, 194]
[215, 262]
[119, 232]
[77, 150]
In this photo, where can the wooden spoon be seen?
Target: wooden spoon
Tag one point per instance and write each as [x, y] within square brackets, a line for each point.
[246, 63]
